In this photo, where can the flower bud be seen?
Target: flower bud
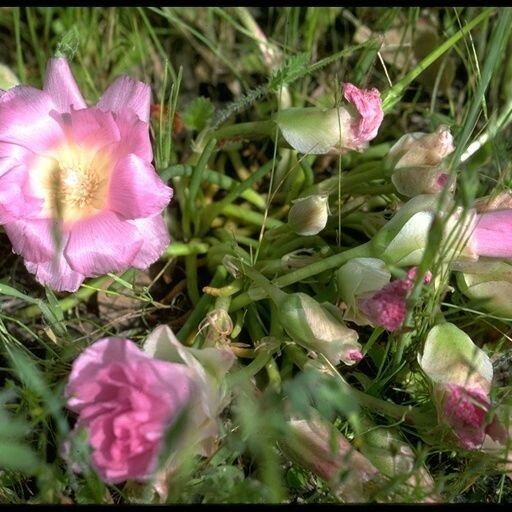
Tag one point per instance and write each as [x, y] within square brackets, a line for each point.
[393, 457]
[322, 449]
[316, 328]
[308, 215]
[500, 201]
[7, 78]
[209, 367]
[461, 374]
[489, 282]
[421, 149]
[416, 159]
[333, 131]
[402, 241]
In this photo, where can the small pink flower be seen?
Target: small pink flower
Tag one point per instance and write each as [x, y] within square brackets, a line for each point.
[84, 170]
[492, 235]
[464, 411]
[388, 307]
[126, 401]
[369, 107]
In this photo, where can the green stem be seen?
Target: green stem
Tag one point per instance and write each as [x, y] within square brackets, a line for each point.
[214, 178]
[185, 249]
[255, 129]
[250, 217]
[303, 273]
[202, 306]
[191, 273]
[68, 302]
[392, 97]
[212, 210]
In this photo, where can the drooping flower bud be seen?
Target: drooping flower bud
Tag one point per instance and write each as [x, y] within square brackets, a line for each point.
[421, 149]
[316, 328]
[322, 449]
[308, 215]
[402, 241]
[461, 374]
[490, 282]
[333, 131]
[385, 448]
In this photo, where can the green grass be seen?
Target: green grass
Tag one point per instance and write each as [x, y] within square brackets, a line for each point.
[218, 76]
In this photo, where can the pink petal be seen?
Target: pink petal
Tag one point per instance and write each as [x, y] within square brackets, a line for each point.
[387, 307]
[493, 234]
[94, 357]
[134, 136]
[103, 243]
[126, 93]
[60, 84]
[32, 238]
[58, 275]
[13, 202]
[89, 128]
[136, 189]
[155, 240]
[25, 119]
[369, 106]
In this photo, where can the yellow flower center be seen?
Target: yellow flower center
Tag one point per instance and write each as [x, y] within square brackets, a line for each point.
[73, 183]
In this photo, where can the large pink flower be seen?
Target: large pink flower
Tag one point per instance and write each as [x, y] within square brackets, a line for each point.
[126, 401]
[81, 174]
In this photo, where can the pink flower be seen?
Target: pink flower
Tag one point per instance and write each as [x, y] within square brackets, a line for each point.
[370, 114]
[82, 172]
[493, 234]
[126, 401]
[464, 410]
[388, 307]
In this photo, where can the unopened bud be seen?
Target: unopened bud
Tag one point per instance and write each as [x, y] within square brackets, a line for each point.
[308, 215]
[7, 78]
[461, 374]
[403, 240]
[333, 131]
[490, 283]
[314, 327]
[416, 160]
[322, 449]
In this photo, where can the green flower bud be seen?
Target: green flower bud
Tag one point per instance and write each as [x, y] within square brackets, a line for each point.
[7, 78]
[315, 131]
[393, 457]
[416, 159]
[402, 241]
[316, 328]
[450, 357]
[308, 215]
[321, 448]
[490, 282]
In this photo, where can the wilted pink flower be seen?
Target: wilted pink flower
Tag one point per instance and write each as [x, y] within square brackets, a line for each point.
[369, 106]
[126, 401]
[84, 170]
[492, 235]
[465, 410]
[387, 307]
